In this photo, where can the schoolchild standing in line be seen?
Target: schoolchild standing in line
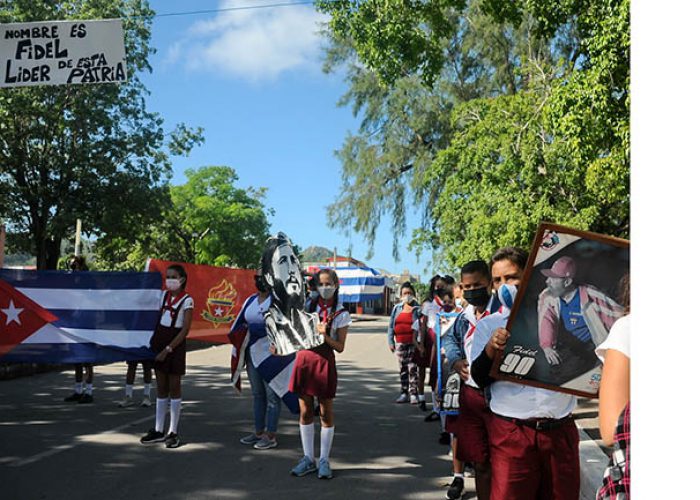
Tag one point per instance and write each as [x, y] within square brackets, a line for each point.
[402, 338]
[147, 366]
[315, 375]
[168, 341]
[425, 341]
[82, 393]
[470, 428]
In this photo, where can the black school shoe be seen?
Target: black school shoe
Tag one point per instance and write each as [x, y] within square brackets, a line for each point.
[172, 441]
[432, 417]
[75, 397]
[456, 488]
[153, 436]
[85, 399]
[445, 438]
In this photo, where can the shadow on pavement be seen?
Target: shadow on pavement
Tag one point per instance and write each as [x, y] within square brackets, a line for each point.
[55, 450]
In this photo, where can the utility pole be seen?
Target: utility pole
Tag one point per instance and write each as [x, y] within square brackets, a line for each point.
[78, 230]
[2, 245]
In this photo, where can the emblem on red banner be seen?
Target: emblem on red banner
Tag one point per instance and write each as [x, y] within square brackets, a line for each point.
[220, 303]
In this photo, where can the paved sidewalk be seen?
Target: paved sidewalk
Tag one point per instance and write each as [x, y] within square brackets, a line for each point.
[55, 450]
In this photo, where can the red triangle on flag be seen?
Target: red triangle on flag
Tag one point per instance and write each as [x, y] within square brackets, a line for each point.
[20, 317]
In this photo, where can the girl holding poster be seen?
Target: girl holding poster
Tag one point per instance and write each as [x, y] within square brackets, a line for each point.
[315, 375]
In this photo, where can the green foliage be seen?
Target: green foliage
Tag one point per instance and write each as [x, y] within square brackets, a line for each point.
[92, 152]
[396, 37]
[521, 116]
[207, 221]
[421, 290]
[406, 124]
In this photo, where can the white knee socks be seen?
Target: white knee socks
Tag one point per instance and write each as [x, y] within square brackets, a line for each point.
[326, 441]
[307, 439]
[161, 408]
[175, 405]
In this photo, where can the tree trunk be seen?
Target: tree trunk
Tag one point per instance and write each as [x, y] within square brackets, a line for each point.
[48, 251]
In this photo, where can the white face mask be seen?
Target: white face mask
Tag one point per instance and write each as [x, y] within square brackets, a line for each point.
[172, 284]
[326, 292]
[407, 299]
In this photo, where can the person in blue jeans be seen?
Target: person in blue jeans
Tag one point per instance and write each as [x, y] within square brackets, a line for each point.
[266, 403]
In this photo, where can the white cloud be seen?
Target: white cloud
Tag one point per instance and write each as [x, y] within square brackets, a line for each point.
[256, 44]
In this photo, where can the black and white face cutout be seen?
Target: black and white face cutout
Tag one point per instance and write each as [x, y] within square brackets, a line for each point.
[289, 327]
[282, 272]
[286, 270]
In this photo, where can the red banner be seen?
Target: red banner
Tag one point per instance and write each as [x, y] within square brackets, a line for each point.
[219, 294]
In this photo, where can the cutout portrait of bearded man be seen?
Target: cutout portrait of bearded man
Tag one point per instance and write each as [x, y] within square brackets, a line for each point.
[289, 327]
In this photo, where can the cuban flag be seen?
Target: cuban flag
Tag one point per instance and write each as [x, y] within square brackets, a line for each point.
[359, 284]
[276, 370]
[80, 317]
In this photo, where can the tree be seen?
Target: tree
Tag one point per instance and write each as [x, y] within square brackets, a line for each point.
[92, 152]
[207, 221]
[534, 126]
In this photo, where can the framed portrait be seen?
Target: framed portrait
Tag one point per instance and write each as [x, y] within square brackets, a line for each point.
[448, 381]
[574, 288]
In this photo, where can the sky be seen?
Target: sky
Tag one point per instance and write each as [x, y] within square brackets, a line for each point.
[253, 80]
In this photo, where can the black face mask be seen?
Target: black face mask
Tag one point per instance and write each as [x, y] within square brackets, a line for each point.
[260, 284]
[478, 297]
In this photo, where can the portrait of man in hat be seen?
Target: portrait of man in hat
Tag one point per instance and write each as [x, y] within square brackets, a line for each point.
[573, 318]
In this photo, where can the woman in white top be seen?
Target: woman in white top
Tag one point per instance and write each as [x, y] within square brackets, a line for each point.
[614, 404]
[614, 352]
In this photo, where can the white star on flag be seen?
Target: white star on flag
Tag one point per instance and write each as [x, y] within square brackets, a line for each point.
[12, 313]
[218, 311]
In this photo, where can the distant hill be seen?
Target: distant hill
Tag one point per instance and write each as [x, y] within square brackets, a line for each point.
[316, 254]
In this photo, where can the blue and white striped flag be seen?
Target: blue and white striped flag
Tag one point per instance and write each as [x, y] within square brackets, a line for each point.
[360, 284]
[102, 316]
[276, 370]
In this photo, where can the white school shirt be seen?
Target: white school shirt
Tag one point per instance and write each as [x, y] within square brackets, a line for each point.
[430, 310]
[618, 339]
[165, 317]
[516, 400]
[470, 314]
[340, 321]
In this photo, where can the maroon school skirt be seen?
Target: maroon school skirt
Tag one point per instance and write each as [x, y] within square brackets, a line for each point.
[423, 360]
[315, 373]
[174, 362]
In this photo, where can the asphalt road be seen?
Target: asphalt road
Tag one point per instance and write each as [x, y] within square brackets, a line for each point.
[55, 450]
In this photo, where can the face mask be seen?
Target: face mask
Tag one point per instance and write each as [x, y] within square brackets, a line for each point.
[506, 295]
[407, 299]
[478, 297]
[172, 284]
[447, 308]
[326, 292]
[260, 284]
